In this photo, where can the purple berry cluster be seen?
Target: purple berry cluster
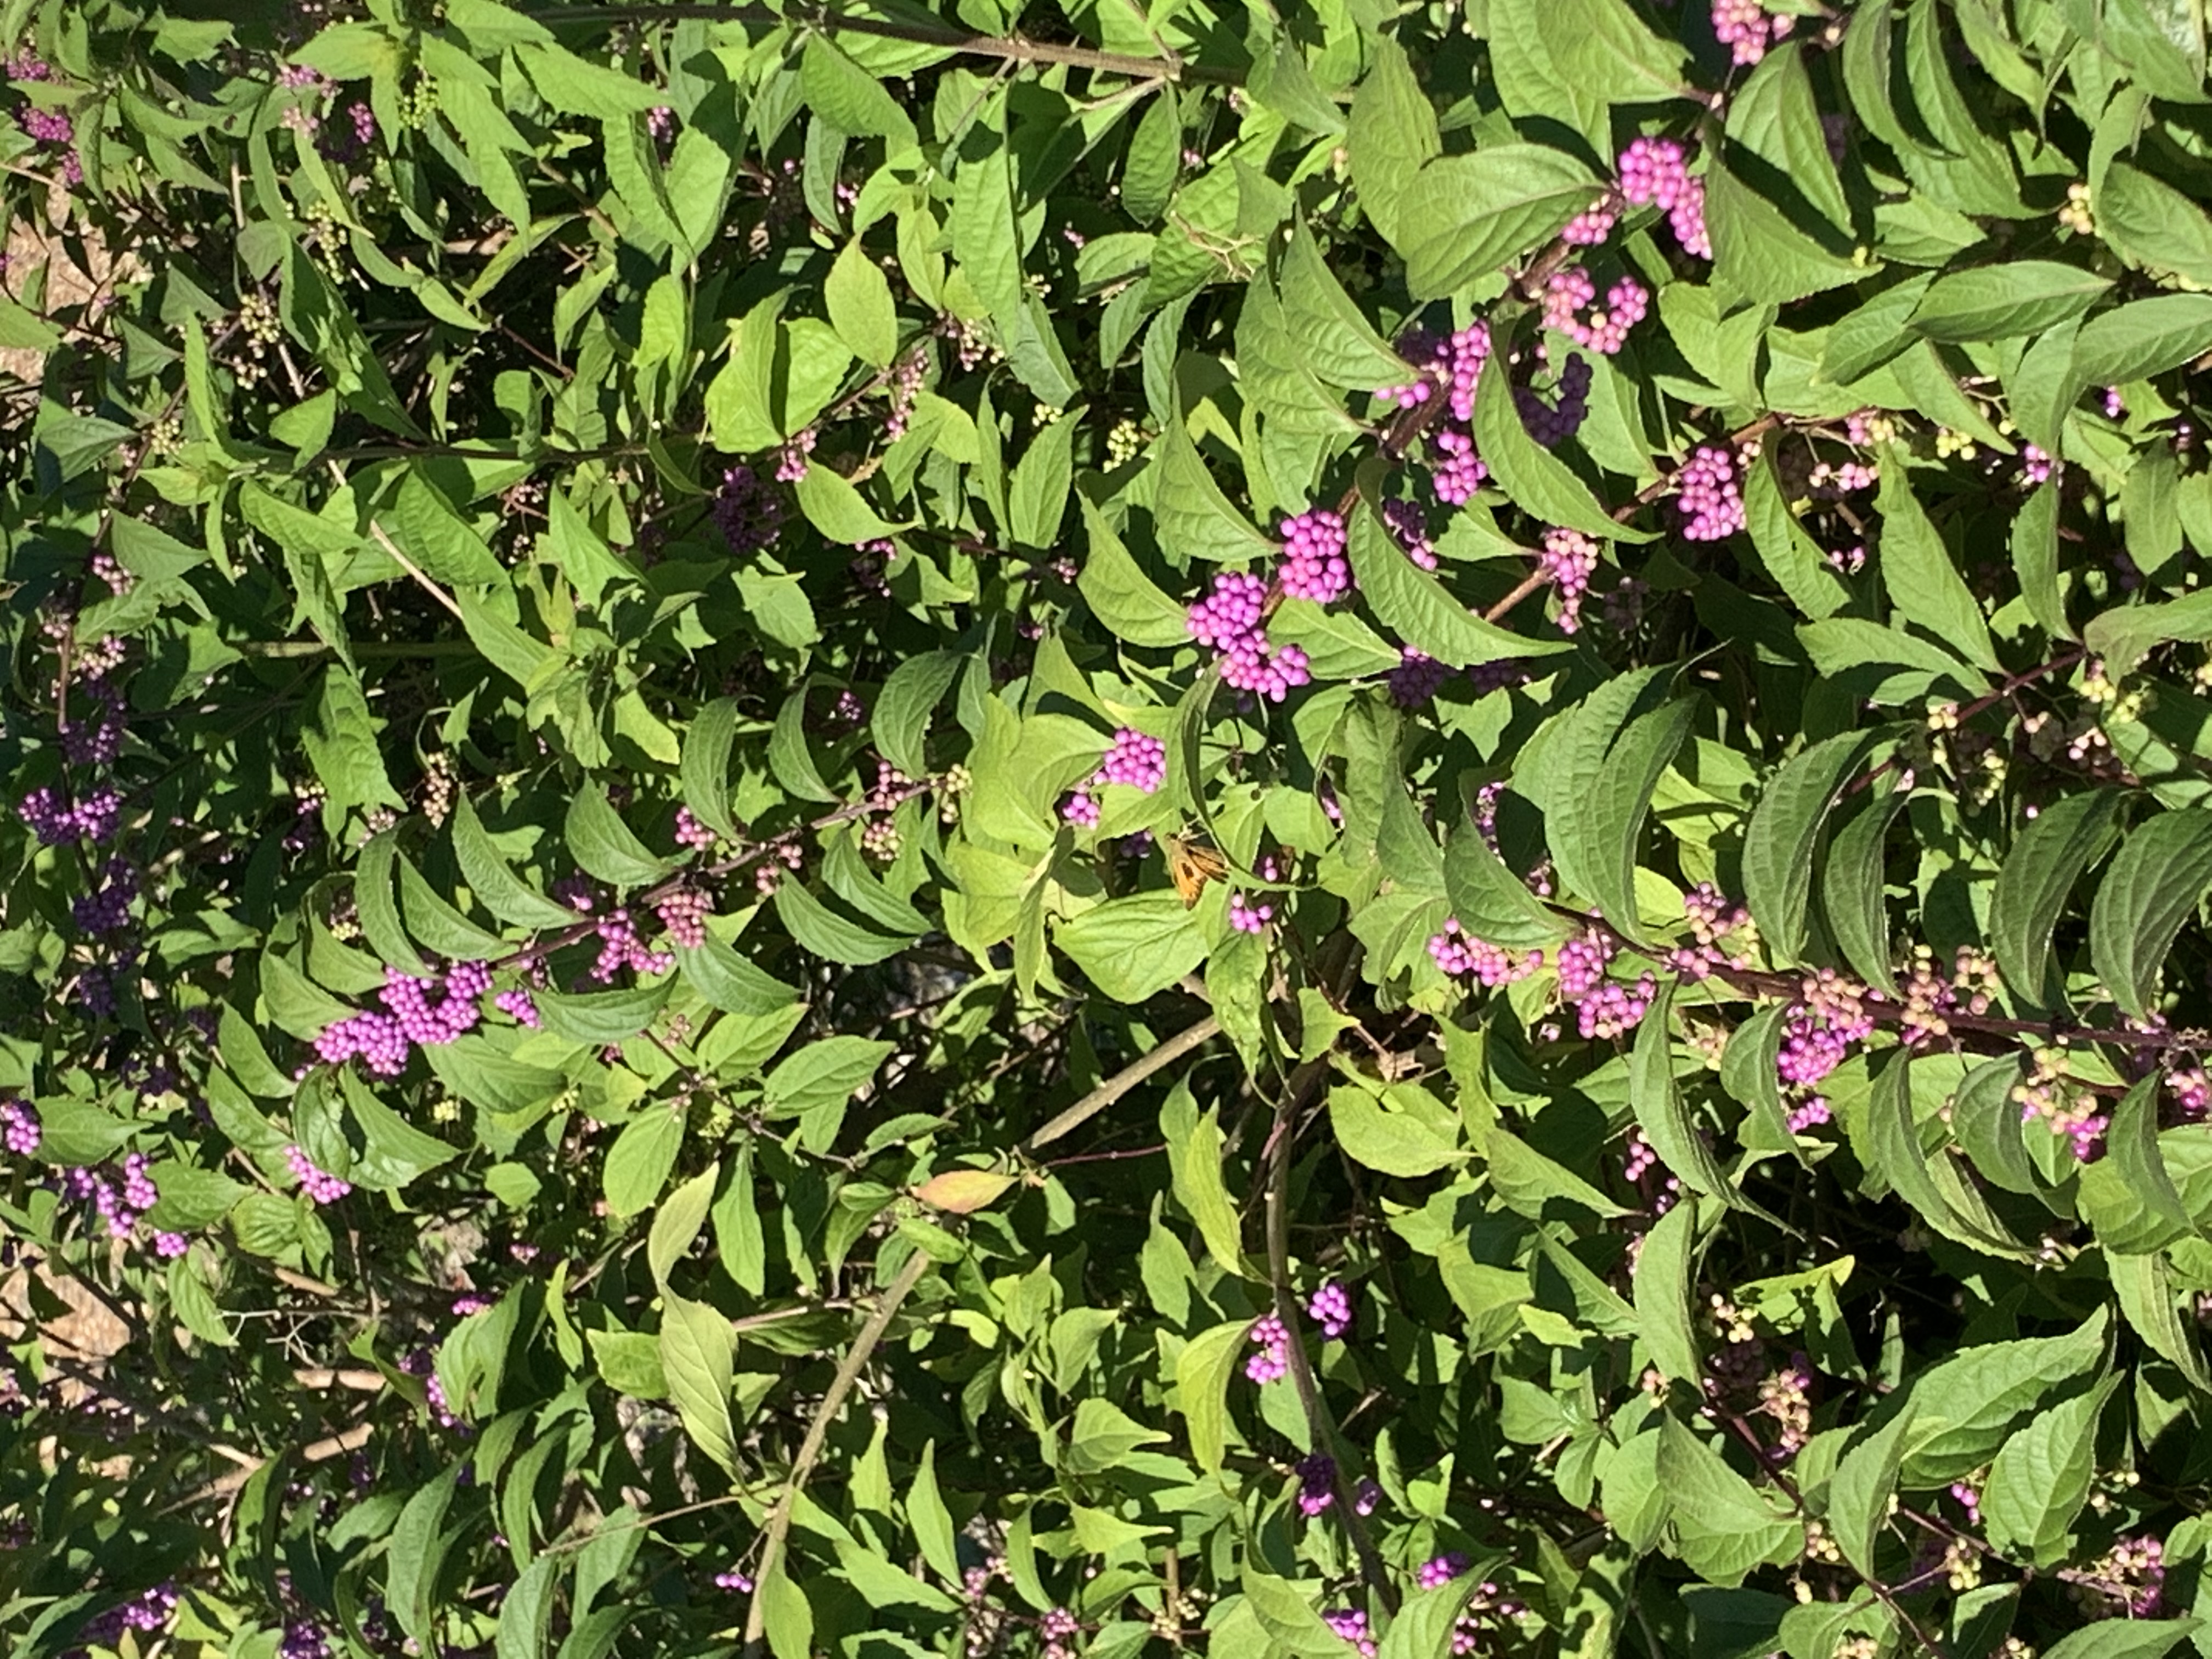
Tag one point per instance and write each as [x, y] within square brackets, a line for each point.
[1553, 423]
[19, 1126]
[1410, 530]
[1314, 565]
[1656, 172]
[1709, 495]
[1744, 27]
[1416, 679]
[748, 511]
[50, 127]
[320, 1186]
[1462, 956]
[1272, 1361]
[2190, 1087]
[54, 821]
[1330, 1308]
[146, 1612]
[1228, 621]
[108, 910]
[411, 1016]
[1317, 1484]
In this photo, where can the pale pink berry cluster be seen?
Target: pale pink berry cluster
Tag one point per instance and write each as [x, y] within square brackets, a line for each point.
[1486, 1612]
[1569, 560]
[1746, 29]
[1593, 224]
[683, 914]
[1809, 1114]
[690, 833]
[1314, 565]
[1656, 172]
[1713, 918]
[1786, 1396]
[734, 1580]
[1614, 1009]
[2190, 1087]
[1228, 621]
[1833, 480]
[320, 1186]
[2034, 465]
[791, 461]
[2045, 1094]
[1462, 956]
[1709, 495]
[620, 945]
[1570, 308]
[1831, 1016]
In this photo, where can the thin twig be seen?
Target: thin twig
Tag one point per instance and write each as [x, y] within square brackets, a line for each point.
[778, 1528]
[1164, 1053]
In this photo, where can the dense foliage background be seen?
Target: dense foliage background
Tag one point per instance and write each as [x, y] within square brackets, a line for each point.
[1119, 829]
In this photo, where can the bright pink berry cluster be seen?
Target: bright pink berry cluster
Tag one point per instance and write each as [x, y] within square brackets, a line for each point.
[320, 1186]
[1831, 1016]
[1314, 565]
[1228, 621]
[734, 1580]
[1440, 1569]
[1614, 1009]
[19, 1126]
[520, 1006]
[430, 1013]
[1709, 495]
[1744, 27]
[1591, 226]
[791, 461]
[1352, 1625]
[1330, 1308]
[1136, 759]
[1246, 917]
[1081, 809]
[620, 945]
[1657, 171]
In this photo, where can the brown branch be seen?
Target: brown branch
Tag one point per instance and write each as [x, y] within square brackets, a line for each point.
[1163, 1055]
[1007, 48]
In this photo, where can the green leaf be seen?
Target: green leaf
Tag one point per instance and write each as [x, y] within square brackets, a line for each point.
[861, 309]
[496, 887]
[1860, 1491]
[1747, 1073]
[1665, 1271]
[1390, 1142]
[1490, 902]
[1335, 339]
[909, 697]
[833, 507]
[1192, 517]
[697, 1346]
[1986, 1120]
[606, 847]
[677, 1222]
[1660, 1110]
[1759, 253]
[438, 539]
[1150, 168]
[2152, 226]
[817, 928]
[823, 1076]
[850, 99]
[2124, 635]
[1785, 547]
[1036, 498]
[1526, 1181]
[1203, 1369]
[1289, 1618]
[526, 1614]
[2123, 1638]
[2039, 876]
[2141, 339]
[1539, 482]
[1120, 595]
[1922, 582]
[639, 1161]
[1842, 644]
[729, 982]
[1392, 135]
[1460, 217]
[2131, 1146]
[393, 1152]
[1134, 948]
[1723, 1527]
[414, 1555]
[1852, 895]
[1893, 1152]
[1414, 605]
[2035, 560]
[1595, 819]
[2146, 1295]
[928, 1519]
[379, 911]
[1785, 829]
[2020, 298]
[2041, 1477]
[1878, 332]
[443, 930]
[2153, 886]
[706, 765]
[1194, 1144]
[1776, 118]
